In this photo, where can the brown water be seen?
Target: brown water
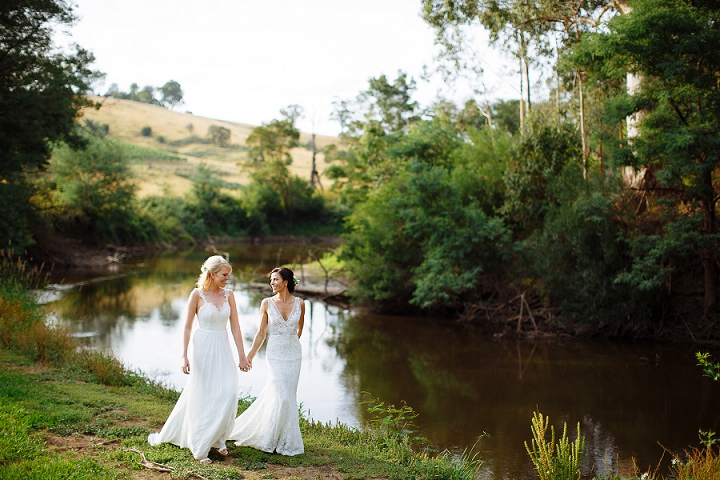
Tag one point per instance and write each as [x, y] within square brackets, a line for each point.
[473, 394]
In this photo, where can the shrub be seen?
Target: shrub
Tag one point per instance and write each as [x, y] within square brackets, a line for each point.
[146, 132]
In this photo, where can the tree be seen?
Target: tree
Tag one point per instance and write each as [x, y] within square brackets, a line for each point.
[375, 120]
[389, 105]
[545, 152]
[172, 94]
[41, 93]
[526, 27]
[674, 46]
[220, 136]
[97, 189]
[273, 141]
[146, 95]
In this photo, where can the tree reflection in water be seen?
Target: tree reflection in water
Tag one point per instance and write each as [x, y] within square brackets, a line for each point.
[627, 396]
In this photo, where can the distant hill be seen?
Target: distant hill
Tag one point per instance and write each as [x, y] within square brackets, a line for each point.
[164, 160]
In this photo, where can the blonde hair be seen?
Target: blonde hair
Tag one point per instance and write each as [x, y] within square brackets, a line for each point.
[212, 265]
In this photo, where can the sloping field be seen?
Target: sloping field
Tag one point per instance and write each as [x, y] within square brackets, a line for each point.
[178, 144]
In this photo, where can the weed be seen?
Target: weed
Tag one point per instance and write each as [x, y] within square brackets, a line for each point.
[393, 425]
[553, 461]
[699, 463]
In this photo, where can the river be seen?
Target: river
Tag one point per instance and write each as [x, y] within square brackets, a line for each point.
[472, 394]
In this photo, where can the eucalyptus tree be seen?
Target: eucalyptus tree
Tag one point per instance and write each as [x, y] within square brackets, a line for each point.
[674, 46]
[542, 27]
[41, 93]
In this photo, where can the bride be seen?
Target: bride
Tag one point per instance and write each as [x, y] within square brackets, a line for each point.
[203, 415]
[272, 423]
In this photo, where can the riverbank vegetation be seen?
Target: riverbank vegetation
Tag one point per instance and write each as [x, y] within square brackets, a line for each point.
[67, 412]
[591, 211]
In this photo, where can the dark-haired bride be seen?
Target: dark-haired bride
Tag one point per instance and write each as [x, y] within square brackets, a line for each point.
[271, 423]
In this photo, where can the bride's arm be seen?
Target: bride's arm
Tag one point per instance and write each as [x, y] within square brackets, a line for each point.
[190, 311]
[260, 335]
[301, 323]
[237, 334]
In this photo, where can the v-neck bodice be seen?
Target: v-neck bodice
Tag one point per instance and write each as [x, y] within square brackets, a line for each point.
[277, 325]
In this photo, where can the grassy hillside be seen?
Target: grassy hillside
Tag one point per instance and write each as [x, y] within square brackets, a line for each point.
[165, 160]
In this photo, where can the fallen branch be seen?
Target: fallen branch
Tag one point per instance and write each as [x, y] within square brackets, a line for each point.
[149, 464]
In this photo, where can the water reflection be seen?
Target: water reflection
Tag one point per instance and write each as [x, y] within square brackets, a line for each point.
[472, 393]
[626, 396]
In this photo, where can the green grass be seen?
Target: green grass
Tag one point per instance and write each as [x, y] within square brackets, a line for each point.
[67, 413]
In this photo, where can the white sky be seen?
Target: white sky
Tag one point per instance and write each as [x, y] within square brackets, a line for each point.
[244, 60]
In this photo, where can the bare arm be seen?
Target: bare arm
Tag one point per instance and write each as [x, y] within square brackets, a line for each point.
[190, 311]
[237, 334]
[301, 323]
[262, 331]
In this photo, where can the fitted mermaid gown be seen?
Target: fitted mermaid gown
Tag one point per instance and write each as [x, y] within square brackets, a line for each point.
[204, 414]
[271, 423]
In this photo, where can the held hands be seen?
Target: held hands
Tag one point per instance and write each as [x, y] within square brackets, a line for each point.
[244, 365]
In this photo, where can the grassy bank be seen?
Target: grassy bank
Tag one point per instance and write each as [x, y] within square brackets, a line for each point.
[59, 423]
[68, 413]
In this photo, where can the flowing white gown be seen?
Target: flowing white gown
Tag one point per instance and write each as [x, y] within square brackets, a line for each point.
[204, 414]
[272, 422]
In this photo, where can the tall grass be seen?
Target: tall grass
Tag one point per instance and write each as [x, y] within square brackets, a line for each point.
[24, 330]
[22, 324]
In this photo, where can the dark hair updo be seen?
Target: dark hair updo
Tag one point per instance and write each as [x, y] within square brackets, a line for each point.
[286, 274]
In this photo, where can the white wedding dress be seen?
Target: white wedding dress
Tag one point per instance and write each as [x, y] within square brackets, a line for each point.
[272, 422]
[204, 414]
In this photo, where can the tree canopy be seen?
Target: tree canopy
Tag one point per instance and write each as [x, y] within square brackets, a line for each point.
[41, 92]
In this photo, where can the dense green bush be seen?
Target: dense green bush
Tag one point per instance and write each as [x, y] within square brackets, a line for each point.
[577, 256]
[544, 161]
[279, 202]
[417, 240]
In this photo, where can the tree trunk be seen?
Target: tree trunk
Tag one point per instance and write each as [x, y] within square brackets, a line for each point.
[314, 177]
[708, 254]
[527, 80]
[581, 98]
[583, 135]
[522, 98]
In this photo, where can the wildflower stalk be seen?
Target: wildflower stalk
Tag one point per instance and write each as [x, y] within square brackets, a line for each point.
[554, 461]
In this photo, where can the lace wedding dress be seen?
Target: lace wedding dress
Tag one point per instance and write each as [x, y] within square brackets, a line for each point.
[271, 423]
[204, 414]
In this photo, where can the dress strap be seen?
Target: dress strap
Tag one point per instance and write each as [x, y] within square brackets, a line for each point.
[202, 294]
